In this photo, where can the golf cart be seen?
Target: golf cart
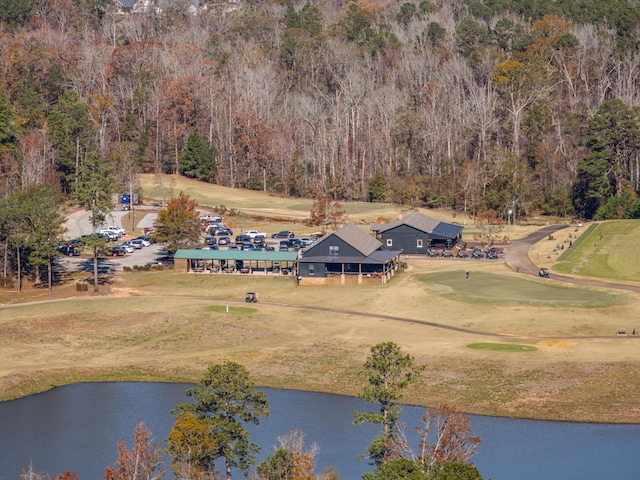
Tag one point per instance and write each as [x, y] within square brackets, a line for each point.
[251, 297]
[544, 273]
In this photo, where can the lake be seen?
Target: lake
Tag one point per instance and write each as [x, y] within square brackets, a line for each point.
[77, 428]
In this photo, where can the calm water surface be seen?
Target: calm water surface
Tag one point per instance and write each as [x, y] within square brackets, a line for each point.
[77, 427]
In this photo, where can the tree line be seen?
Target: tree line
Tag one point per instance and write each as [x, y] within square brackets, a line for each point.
[474, 105]
[212, 428]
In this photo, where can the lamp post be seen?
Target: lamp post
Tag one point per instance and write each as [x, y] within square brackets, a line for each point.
[509, 225]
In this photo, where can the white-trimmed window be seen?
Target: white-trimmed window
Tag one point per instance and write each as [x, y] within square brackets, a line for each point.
[389, 242]
[334, 250]
[311, 270]
[419, 243]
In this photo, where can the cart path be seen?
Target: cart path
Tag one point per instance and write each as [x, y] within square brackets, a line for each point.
[379, 316]
[516, 254]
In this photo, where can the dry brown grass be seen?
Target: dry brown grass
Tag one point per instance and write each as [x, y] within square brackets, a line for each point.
[156, 326]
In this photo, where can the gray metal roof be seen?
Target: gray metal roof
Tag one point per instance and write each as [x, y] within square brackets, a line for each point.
[446, 230]
[246, 255]
[357, 238]
[416, 220]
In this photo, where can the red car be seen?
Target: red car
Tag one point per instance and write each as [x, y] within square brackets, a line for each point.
[118, 251]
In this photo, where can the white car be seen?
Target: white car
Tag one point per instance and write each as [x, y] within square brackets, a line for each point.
[127, 247]
[307, 241]
[137, 243]
[255, 233]
[145, 242]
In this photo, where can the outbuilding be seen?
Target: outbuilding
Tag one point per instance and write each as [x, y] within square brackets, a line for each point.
[417, 233]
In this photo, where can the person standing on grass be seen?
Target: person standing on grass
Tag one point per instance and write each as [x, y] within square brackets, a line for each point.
[467, 274]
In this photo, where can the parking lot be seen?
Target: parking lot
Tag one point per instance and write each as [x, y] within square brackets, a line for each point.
[78, 224]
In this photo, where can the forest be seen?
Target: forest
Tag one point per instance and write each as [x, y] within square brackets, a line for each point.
[472, 105]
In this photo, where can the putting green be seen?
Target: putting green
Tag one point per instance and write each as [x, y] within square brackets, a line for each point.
[496, 288]
[232, 309]
[502, 347]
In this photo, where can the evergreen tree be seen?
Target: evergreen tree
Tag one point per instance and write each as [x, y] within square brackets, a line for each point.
[225, 399]
[94, 190]
[199, 158]
[388, 372]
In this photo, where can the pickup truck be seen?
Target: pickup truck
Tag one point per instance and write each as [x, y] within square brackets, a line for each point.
[113, 229]
[255, 233]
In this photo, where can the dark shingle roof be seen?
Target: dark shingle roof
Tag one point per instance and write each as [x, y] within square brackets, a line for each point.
[358, 239]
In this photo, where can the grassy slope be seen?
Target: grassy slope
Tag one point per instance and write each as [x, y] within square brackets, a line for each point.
[609, 251]
[262, 203]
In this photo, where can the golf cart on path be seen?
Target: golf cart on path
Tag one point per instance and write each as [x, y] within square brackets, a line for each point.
[544, 273]
[251, 297]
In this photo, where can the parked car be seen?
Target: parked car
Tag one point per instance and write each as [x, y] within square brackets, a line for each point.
[211, 247]
[149, 230]
[242, 238]
[127, 246]
[269, 248]
[137, 243]
[210, 217]
[307, 241]
[118, 251]
[117, 230]
[221, 230]
[258, 239]
[283, 234]
[295, 243]
[246, 246]
[68, 250]
[146, 241]
[255, 233]
[224, 240]
[210, 240]
[109, 236]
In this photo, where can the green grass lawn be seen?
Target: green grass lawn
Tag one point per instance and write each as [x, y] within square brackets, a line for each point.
[230, 309]
[610, 250]
[496, 288]
[502, 347]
